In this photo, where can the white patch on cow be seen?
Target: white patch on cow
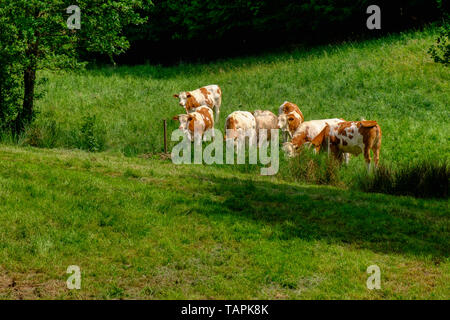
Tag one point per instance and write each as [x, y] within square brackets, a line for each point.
[244, 121]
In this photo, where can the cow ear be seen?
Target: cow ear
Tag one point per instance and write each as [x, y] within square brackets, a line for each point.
[177, 118]
[188, 95]
[176, 96]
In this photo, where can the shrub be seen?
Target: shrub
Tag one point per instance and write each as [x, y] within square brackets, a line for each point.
[440, 52]
[422, 180]
[91, 135]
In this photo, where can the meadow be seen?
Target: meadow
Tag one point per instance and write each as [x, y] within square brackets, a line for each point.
[142, 227]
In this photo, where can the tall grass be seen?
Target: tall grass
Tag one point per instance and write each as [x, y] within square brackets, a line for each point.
[428, 179]
[311, 168]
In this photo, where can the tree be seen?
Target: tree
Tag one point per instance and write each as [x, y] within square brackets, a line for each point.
[34, 34]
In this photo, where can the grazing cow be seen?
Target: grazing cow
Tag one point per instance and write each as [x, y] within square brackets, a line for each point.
[210, 96]
[265, 120]
[285, 111]
[238, 124]
[306, 132]
[196, 123]
[353, 137]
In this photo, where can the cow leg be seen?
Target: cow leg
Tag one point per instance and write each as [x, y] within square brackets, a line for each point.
[217, 115]
[336, 153]
[376, 150]
[346, 158]
[216, 111]
[367, 157]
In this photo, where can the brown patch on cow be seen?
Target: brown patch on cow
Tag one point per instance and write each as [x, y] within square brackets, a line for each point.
[290, 107]
[231, 123]
[205, 93]
[191, 102]
[293, 123]
[206, 118]
[191, 123]
[299, 139]
[342, 126]
[371, 133]
[219, 91]
[369, 123]
[350, 136]
[320, 138]
[344, 133]
[344, 142]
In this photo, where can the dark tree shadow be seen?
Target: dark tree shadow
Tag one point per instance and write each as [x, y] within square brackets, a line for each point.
[381, 223]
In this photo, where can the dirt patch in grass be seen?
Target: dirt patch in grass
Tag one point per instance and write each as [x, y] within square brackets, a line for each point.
[29, 286]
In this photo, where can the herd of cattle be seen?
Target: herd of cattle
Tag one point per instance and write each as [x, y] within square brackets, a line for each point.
[338, 136]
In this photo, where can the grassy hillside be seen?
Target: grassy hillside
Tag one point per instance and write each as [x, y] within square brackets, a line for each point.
[142, 227]
[145, 228]
[392, 80]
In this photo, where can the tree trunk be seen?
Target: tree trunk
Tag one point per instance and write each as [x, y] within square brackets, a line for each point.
[25, 115]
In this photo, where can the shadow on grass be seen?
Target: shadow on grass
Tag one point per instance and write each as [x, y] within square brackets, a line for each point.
[377, 222]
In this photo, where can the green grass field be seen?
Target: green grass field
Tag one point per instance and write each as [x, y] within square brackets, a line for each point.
[142, 227]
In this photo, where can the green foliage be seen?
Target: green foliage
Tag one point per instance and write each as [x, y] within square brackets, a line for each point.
[91, 135]
[196, 29]
[195, 19]
[35, 35]
[440, 51]
[11, 89]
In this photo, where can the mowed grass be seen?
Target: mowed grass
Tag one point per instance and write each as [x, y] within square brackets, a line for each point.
[391, 80]
[146, 228]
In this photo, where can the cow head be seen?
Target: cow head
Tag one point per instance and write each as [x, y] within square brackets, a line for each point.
[183, 97]
[289, 149]
[294, 147]
[183, 119]
[283, 122]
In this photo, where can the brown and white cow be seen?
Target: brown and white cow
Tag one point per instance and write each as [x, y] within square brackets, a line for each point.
[265, 120]
[240, 124]
[305, 133]
[210, 96]
[196, 123]
[285, 111]
[352, 137]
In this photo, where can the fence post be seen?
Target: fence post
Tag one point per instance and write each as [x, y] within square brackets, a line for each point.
[165, 135]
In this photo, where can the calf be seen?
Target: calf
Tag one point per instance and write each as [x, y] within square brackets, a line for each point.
[182, 118]
[196, 123]
[285, 111]
[353, 137]
[306, 132]
[210, 96]
[265, 120]
[239, 124]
